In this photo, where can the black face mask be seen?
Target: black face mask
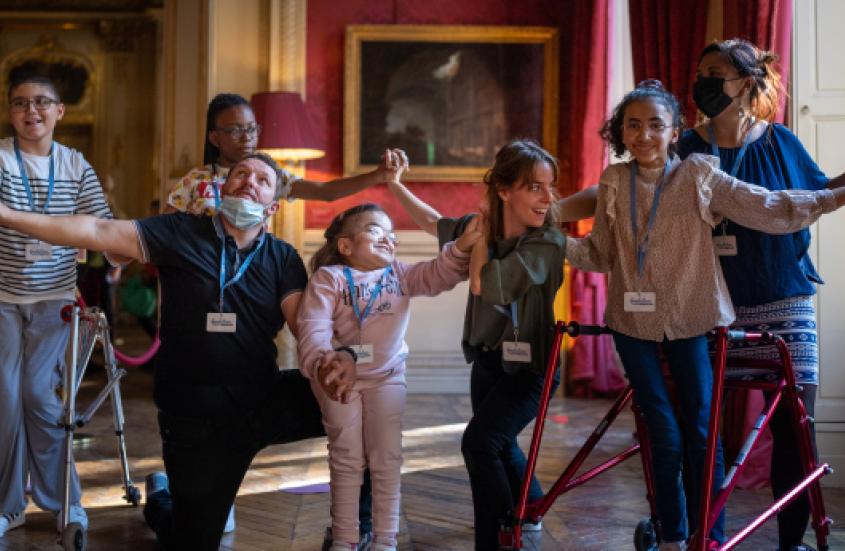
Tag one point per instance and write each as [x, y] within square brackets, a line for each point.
[709, 95]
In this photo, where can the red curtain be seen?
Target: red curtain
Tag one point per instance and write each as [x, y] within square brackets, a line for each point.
[592, 367]
[667, 37]
[767, 24]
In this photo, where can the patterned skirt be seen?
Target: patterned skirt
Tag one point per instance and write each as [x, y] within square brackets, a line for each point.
[794, 319]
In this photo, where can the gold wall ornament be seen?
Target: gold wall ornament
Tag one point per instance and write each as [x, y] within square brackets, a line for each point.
[73, 73]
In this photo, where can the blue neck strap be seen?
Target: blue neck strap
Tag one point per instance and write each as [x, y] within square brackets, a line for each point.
[241, 270]
[25, 179]
[215, 185]
[714, 148]
[353, 296]
[641, 246]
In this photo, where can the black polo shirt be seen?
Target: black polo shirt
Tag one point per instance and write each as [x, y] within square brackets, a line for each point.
[201, 374]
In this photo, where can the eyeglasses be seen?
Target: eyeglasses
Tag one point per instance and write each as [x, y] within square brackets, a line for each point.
[41, 103]
[380, 234]
[634, 126]
[238, 132]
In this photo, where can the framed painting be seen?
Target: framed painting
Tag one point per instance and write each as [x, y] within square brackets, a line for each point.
[449, 96]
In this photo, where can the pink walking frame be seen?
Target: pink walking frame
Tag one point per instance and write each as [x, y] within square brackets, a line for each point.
[647, 532]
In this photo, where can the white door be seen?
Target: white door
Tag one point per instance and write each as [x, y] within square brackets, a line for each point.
[819, 115]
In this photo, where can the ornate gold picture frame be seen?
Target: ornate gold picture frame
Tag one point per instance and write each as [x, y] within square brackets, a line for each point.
[450, 96]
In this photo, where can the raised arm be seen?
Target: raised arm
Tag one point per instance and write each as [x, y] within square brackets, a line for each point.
[393, 163]
[116, 237]
[837, 182]
[579, 205]
[420, 212]
[776, 212]
[596, 251]
[449, 268]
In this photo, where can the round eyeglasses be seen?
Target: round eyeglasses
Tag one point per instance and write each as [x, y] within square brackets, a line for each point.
[238, 132]
[41, 103]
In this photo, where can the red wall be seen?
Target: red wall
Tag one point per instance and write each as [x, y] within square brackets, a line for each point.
[327, 20]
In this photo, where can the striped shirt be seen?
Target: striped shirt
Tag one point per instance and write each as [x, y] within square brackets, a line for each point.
[76, 191]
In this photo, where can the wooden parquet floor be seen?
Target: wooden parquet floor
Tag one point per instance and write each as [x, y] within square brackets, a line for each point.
[436, 503]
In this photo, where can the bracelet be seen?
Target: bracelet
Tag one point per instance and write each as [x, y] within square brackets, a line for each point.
[348, 349]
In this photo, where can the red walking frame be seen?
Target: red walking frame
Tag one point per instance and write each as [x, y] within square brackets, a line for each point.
[647, 532]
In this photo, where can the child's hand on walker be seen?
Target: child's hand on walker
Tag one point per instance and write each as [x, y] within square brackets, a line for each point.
[336, 375]
[472, 233]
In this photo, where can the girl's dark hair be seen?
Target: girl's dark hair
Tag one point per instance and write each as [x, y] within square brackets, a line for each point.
[220, 103]
[329, 254]
[16, 80]
[514, 167]
[750, 61]
[647, 90]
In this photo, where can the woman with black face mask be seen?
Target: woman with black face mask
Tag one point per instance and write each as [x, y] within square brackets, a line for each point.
[771, 278]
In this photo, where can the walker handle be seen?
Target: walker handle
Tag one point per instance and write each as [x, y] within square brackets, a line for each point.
[575, 329]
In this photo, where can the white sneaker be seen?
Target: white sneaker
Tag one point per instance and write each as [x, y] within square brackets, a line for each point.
[10, 521]
[78, 514]
[230, 522]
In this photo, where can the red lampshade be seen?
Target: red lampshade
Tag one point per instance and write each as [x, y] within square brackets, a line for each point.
[285, 129]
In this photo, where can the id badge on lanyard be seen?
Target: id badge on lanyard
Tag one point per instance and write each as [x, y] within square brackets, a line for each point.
[227, 322]
[643, 301]
[364, 351]
[516, 351]
[725, 244]
[35, 252]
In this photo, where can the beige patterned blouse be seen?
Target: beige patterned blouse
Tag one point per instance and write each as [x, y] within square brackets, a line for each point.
[681, 266]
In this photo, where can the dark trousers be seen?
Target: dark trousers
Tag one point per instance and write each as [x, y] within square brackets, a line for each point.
[786, 469]
[692, 374]
[502, 405]
[206, 461]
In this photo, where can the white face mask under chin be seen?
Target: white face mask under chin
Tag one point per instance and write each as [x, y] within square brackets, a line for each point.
[242, 213]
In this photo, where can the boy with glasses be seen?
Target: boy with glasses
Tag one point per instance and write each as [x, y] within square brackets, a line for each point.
[36, 281]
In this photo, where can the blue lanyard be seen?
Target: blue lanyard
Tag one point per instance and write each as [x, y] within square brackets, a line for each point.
[714, 148]
[215, 188]
[642, 246]
[515, 321]
[241, 270]
[353, 296]
[25, 179]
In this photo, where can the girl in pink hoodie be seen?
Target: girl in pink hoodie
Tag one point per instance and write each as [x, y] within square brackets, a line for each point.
[352, 323]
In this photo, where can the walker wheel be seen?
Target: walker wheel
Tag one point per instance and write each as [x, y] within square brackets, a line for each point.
[645, 538]
[133, 495]
[74, 537]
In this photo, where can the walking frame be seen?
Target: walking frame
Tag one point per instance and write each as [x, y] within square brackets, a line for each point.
[88, 326]
[647, 532]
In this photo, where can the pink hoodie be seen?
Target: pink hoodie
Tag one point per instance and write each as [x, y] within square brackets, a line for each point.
[327, 320]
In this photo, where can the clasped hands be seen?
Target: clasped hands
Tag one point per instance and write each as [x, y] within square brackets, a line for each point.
[336, 375]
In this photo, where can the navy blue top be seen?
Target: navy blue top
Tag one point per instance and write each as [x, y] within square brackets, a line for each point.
[768, 267]
[212, 375]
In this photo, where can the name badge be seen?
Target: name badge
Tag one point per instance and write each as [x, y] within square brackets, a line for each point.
[219, 322]
[39, 251]
[515, 351]
[365, 353]
[725, 245]
[636, 301]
